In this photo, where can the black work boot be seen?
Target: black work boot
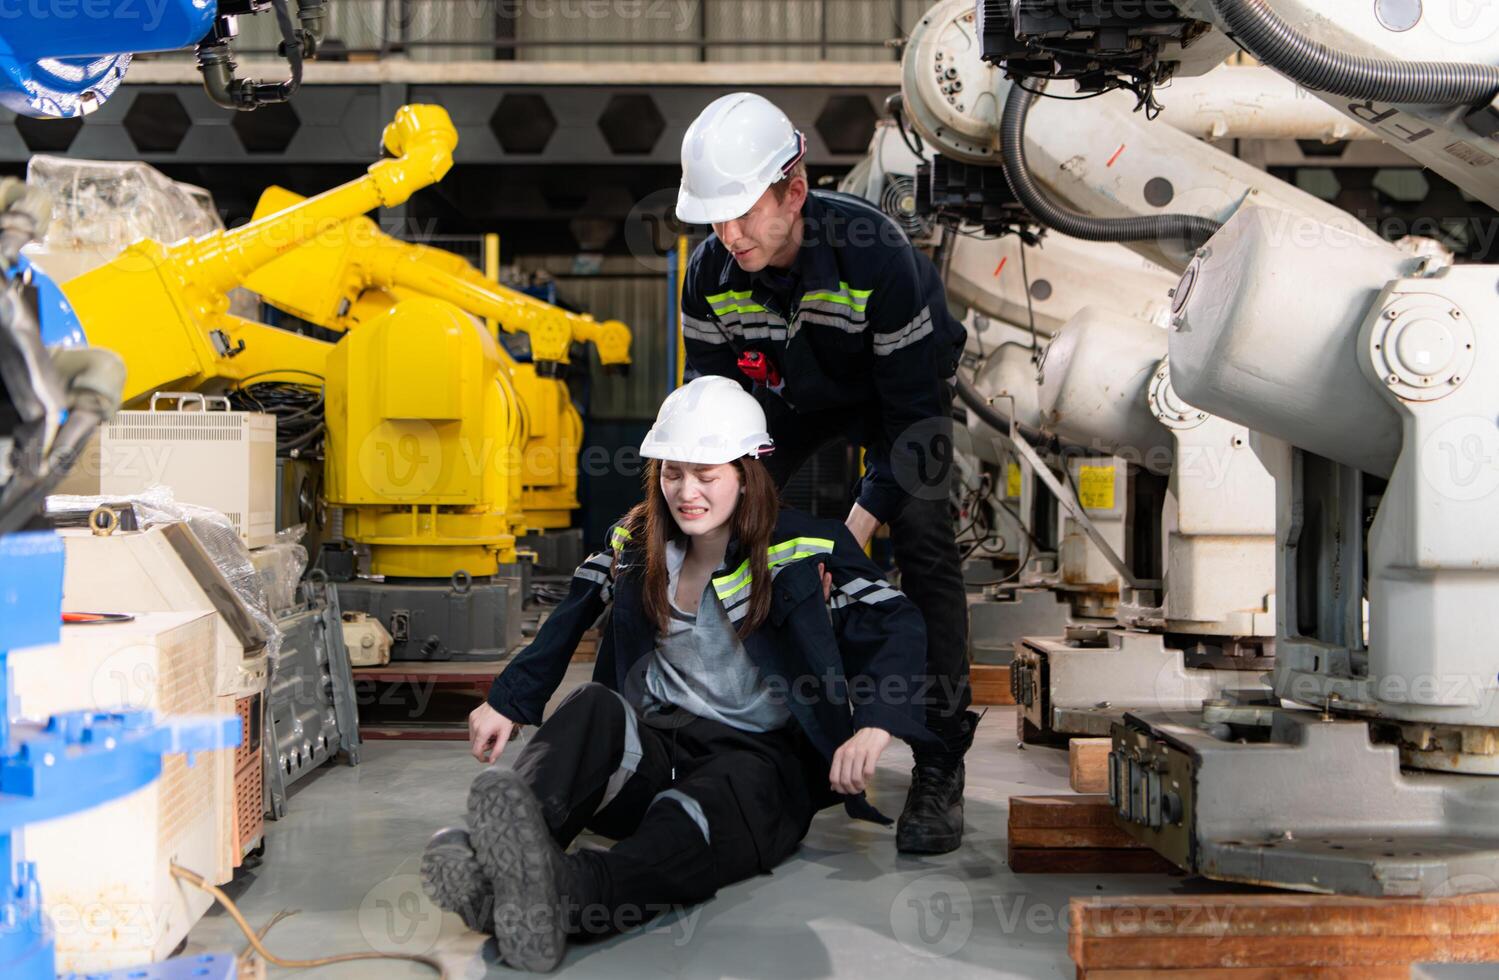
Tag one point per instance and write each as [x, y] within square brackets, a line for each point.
[452, 878]
[538, 891]
[932, 821]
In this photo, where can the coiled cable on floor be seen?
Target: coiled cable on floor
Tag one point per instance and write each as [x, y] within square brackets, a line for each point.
[1187, 228]
[198, 881]
[1267, 36]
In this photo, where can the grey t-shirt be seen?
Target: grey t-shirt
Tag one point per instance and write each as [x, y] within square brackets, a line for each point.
[702, 667]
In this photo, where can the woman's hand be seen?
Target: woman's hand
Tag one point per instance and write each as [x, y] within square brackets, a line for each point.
[488, 731]
[854, 762]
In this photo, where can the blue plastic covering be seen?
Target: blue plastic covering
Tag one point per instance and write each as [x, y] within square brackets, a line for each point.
[60, 326]
[71, 762]
[66, 57]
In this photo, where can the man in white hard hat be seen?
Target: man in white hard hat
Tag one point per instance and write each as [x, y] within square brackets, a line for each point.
[818, 303]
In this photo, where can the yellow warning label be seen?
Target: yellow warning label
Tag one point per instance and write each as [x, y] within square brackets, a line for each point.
[1012, 482]
[1095, 487]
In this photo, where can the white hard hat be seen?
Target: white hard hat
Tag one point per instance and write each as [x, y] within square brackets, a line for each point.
[733, 151]
[708, 420]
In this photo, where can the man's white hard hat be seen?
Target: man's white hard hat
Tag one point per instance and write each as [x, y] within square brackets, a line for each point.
[709, 420]
[733, 151]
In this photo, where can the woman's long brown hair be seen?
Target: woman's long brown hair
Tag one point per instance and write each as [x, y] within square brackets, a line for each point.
[753, 523]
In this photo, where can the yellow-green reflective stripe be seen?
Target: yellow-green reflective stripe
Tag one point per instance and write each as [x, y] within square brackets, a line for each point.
[798, 548]
[727, 585]
[718, 298]
[730, 303]
[853, 301]
[736, 581]
[795, 556]
[618, 537]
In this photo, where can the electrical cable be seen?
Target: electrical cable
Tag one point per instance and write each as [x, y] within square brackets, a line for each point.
[1188, 228]
[299, 412]
[917, 148]
[1039, 93]
[199, 882]
[1314, 65]
[996, 419]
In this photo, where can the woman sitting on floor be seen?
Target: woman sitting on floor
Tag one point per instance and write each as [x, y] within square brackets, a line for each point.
[753, 668]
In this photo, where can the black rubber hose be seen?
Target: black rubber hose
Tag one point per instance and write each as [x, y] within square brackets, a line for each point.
[980, 406]
[25, 495]
[1323, 69]
[1187, 228]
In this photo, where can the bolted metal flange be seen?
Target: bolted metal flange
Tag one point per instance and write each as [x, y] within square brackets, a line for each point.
[1422, 346]
[1166, 405]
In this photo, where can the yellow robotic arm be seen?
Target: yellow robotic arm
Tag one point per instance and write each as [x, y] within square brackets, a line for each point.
[423, 431]
[164, 308]
[353, 276]
[347, 275]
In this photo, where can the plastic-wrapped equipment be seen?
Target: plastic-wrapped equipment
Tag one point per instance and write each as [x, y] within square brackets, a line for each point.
[281, 566]
[100, 207]
[214, 532]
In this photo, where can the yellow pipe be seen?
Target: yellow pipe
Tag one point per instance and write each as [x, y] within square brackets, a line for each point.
[164, 308]
[422, 138]
[325, 284]
[492, 271]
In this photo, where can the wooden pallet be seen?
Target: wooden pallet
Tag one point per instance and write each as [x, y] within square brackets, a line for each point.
[1074, 834]
[1275, 936]
[430, 700]
[1266, 935]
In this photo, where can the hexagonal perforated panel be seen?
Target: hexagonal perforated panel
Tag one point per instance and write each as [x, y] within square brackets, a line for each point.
[523, 123]
[268, 129]
[631, 124]
[156, 122]
[846, 123]
[48, 135]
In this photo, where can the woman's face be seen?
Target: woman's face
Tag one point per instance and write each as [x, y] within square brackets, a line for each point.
[701, 498]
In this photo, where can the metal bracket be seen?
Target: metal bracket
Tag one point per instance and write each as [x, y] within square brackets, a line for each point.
[1064, 494]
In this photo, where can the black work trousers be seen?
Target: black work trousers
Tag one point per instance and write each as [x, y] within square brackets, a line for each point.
[923, 540]
[694, 804]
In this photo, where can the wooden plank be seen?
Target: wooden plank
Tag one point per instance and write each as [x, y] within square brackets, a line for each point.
[1254, 973]
[1053, 812]
[1073, 837]
[1088, 764]
[1168, 951]
[1086, 861]
[1246, 937]
[1286, 913]
[413, 733]
[990, 684]
[431, 671]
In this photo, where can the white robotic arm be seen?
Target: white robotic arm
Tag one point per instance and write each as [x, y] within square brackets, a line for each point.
[1099, 157]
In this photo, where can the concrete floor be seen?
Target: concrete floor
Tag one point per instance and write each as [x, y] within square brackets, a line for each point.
[347, 854]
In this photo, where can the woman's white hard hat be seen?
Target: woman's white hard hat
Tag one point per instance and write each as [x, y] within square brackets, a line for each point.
[735, 149]
[708, 420]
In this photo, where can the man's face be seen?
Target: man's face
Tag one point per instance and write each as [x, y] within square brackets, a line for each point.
[764, 235]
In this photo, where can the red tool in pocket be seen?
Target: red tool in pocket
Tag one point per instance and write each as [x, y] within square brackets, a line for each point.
[758, 368]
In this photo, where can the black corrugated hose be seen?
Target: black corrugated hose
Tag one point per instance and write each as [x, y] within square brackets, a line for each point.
[1185, 228]
[1323, 69]
[993, 417]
